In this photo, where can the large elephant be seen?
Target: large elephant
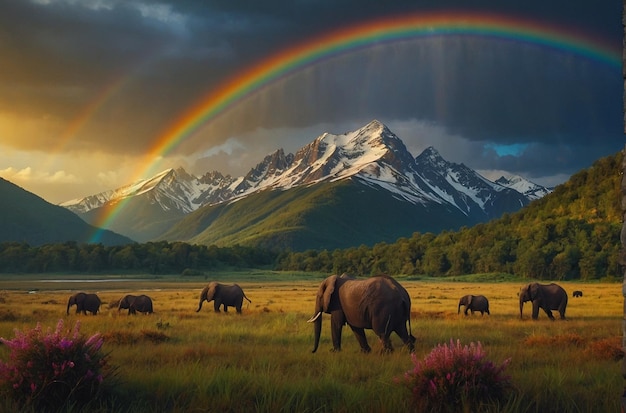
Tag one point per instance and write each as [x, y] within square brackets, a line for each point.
[379, 303]
[134, 303]
[226, 295]
[474, 303]
[84, 302]
[545, 296]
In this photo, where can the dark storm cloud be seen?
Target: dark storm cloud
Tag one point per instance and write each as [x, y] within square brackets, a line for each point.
[58, 55]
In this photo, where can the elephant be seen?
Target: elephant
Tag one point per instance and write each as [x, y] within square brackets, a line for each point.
[84, 302]
[474, 303]
[545, 296]
[378, 303]
[577, 293]
[134, 303]
[226, 295]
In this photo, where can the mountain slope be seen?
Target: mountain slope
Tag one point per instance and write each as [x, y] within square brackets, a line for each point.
[340, 214]
[25, 217]
[472, 193]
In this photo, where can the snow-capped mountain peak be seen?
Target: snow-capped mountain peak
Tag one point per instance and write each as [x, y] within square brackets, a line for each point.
[171, 188]
[524, 186]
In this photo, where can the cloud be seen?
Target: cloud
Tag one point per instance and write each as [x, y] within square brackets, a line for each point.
[28, 174]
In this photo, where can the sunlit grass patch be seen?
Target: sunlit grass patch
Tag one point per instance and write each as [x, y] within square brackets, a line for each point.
[609, 348]
[556, 340]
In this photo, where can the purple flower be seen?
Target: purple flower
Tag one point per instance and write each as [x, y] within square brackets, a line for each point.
[456, 377]
[39, 357]
[65, 344]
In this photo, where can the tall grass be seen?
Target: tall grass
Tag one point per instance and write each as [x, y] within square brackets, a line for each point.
[177, 360]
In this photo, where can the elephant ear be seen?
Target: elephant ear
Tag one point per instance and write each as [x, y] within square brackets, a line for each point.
[328, 289]
[212, 290]
[533, 291]
[470, 298]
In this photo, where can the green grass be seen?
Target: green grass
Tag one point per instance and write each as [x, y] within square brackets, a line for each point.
[177, 360]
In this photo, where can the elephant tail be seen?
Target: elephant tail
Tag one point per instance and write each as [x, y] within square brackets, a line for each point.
[244, 296]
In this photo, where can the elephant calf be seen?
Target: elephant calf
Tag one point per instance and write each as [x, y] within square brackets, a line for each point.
[577, 293]
[474, 303]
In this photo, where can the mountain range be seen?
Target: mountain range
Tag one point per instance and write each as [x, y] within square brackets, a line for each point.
[360, 187]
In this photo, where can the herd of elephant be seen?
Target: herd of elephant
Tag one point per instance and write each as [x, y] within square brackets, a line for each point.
[377, 303]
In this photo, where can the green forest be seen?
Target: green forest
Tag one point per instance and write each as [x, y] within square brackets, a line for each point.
[570, 234]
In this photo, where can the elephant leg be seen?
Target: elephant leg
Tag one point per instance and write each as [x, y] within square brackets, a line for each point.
[383, 327]
[238, 309]
[216, 306]
[549, 313]
[466, 310]
[406, 338]
[225, 308]
[359, 333]
[337, 320]
[535, 310]
[386, 342]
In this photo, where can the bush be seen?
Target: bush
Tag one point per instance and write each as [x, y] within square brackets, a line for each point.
[48, 369]
[454, 378]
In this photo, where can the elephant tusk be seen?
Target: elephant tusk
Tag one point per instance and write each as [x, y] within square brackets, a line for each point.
[315, 317]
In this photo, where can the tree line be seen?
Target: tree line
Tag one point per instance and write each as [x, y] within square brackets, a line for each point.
[152, 257]
[557, 249]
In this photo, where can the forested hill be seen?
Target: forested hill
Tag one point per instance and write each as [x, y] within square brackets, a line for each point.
[572, 233]
[591, 195]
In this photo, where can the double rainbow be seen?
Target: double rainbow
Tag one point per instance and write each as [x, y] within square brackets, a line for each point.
[361, 36]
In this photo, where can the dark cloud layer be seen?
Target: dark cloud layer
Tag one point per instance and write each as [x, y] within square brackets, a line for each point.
[58, 56]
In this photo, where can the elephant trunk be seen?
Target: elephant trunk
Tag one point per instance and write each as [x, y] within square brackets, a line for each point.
[202, 297]
[317, 319]
[459, 310]
[69, 304]
[521, 306]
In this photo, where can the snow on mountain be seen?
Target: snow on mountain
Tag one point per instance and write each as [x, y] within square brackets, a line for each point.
[465, 188]
[524, 186]
[372, 155]
[172, 189]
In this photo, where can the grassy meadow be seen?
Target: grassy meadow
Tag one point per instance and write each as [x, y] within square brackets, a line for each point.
[177, 360]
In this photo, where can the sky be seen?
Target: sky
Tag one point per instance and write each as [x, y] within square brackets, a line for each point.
[95, 94]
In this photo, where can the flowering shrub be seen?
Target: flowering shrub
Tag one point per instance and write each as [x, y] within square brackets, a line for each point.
[48, 369]
[456, 378]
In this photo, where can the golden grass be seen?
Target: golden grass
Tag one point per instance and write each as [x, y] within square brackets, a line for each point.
[180, 360]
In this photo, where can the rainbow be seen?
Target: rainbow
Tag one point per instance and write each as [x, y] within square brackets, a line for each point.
[361, 36]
